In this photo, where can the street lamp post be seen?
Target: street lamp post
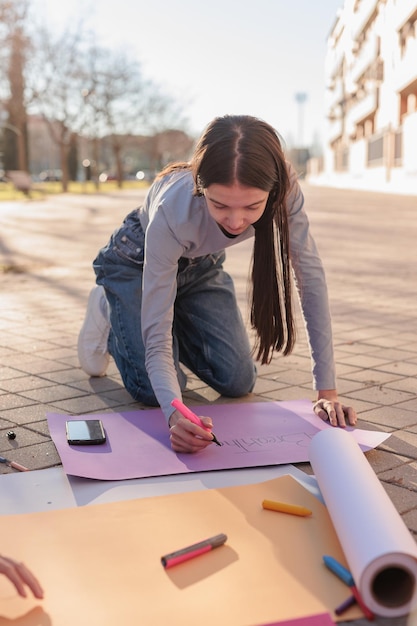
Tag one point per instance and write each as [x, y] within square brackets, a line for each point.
[300, 98]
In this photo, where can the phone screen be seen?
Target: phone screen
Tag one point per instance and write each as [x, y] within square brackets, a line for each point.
[85, 432]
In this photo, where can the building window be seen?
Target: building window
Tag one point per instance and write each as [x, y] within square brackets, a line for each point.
[398, 147]
[376, 150]
[341, 158]
[406, 32]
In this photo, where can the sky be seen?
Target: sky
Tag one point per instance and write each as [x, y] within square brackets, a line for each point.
[220, 57]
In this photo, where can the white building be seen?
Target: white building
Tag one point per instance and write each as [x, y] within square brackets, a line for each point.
[371, 98]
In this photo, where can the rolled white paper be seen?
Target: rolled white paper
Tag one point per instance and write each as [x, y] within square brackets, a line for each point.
[380, 550]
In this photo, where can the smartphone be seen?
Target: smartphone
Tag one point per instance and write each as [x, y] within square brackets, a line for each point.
[85, 432]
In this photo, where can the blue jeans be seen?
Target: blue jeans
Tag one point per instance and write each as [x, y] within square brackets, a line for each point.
[209, 336]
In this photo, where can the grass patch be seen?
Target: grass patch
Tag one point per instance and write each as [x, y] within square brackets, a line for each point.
[8, 268]
[9, 194]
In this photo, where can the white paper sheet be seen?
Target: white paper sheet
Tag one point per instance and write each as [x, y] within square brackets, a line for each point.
[380, 551]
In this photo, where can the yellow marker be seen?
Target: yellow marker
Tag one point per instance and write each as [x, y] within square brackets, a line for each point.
[282, 507]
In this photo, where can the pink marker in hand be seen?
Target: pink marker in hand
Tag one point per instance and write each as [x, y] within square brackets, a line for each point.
[192, 417]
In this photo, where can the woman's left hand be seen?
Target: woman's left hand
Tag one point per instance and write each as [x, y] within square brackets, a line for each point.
[20, 576]
[329, 408]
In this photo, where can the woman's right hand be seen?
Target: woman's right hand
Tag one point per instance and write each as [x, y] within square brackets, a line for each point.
[188, 437]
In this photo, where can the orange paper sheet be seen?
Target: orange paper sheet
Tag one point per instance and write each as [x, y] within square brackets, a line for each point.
[101, 564]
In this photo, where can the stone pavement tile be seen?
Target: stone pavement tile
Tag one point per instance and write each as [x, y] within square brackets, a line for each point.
[364, 361]
[9, 373]
[292, 377]
[4, 351]
[345, 348]
[67, 376]
[294, 361]
[52, 393]
[58, 353]
[292, 393]
[14, 385]
[410, 520]
[272, 369]
[404, 475]
[40, 456]
[360, 405]
[121, 397]
[68, 361]
[39, 427]
[5, 424]
[394, 354]
[403, 499]
[12, 401]
[342, 369]
[27, 346]
[372, 377]
[353, 334]
[392, 340]
[266, 385]
[385, 396]
[409, 334]
[27, 415]
[408, 368]
[382, 461]
[346, 386]
[342, 325]
[83, 404]
[408, 384]
[393, 417]
[403, 443]
[31, 365]
[97, 385]
[410, 405]
[24, 437]
[201, 394]
[365, 425]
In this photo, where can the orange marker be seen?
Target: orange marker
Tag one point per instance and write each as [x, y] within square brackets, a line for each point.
[282, 507]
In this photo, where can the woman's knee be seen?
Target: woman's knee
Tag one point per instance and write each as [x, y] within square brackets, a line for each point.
[139, 391]
[238, 381]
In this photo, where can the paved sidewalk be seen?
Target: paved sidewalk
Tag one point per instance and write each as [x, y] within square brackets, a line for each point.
[368, 245]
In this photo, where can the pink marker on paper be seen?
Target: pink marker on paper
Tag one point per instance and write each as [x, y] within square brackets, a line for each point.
[13, 464]
[179, 556]
[192, 417]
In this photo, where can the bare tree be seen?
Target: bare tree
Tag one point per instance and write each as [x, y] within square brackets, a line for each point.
[121, 103]
[113, 84]
[58, 88]
[15, 45]
[79, 89]
[165, 125]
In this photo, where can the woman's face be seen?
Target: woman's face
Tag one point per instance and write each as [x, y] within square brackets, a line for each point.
[235, 207]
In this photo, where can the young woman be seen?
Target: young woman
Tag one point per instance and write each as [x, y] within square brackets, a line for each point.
[168, 301]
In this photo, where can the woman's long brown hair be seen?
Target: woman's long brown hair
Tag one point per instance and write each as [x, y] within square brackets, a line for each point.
[246, 150]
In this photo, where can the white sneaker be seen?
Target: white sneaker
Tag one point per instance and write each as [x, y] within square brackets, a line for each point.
[93, 354]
